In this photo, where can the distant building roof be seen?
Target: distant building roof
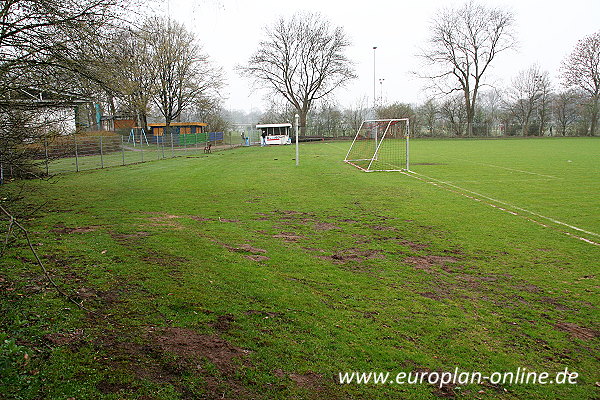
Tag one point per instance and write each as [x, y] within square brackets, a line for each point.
[273, 126]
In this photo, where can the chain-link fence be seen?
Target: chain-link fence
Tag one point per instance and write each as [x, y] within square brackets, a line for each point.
[76, 153]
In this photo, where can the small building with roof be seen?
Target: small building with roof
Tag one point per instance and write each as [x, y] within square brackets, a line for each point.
[276, 133]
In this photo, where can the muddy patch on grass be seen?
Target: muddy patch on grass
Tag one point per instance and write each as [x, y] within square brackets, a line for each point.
[165, 221]
[129, 237]
[250, 249]
[428, 263]
[353, 255]
[165, 260]
[447, 391]
[326, 226]
[250, 252]
[438, 293]
[85, 293]
[107, 387]
[309, 380]
[414, 246]
[382, 228]
[217, 219]
[555, 303]
[65, 338]
[192, 345]
[168, 355]
[223, 322]
[529, 288]
[64, 230]
[314, 250]
[256, 257]
[577, 331]
[288, 237]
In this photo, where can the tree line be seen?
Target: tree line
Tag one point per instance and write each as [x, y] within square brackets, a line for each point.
[90, 54]
[464, 42]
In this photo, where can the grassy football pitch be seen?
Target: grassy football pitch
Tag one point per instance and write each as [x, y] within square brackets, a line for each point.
[238, 275]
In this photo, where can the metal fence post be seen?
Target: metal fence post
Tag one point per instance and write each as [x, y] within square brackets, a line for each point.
[122, 150]
[76, 155]
[141, 150]
[172, 150]
[46, 154]
[101, 152]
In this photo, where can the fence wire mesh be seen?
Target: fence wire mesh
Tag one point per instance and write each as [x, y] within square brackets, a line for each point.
[76, 153]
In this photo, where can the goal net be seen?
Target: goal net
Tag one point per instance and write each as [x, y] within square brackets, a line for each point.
[380, 145]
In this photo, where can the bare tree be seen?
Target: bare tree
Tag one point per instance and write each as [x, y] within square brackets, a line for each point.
[40, 39]
[44, 65]
[354, 116]
[279, 111]
[581, 69]
[452, 111]
[544, 103]
[209, 110]
[529, 97]
[184, 74]
[491, 104]
[398, 110]
[428, 113]
[565, 107]
[302, 59]
[463, 44]
[326, 120]
[134, 71]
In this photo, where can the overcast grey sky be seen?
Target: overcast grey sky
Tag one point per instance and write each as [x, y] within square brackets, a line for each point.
[230, 30]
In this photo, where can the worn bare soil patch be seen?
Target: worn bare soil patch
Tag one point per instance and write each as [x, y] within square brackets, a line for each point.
[288, 237]
[353, 255]
[427, 263]
[165, 221]
[126, 237]
[165, 260]
[577, 331]
[65, 230]
[325, 226]
[191, 345]
[250, 252]
[164, 355]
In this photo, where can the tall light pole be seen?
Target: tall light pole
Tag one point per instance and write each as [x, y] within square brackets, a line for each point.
[381, 90]
[375, 96]
[374, 82]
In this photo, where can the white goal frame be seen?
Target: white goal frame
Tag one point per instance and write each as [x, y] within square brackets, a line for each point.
[378, 141]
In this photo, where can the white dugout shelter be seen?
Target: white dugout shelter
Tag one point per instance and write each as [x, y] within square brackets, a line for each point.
[276, 133]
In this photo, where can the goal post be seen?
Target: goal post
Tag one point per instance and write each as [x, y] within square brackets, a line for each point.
[381, 145]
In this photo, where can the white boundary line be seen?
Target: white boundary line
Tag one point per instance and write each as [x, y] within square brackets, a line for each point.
[432, 181]
[509, 169]
[413, 174]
